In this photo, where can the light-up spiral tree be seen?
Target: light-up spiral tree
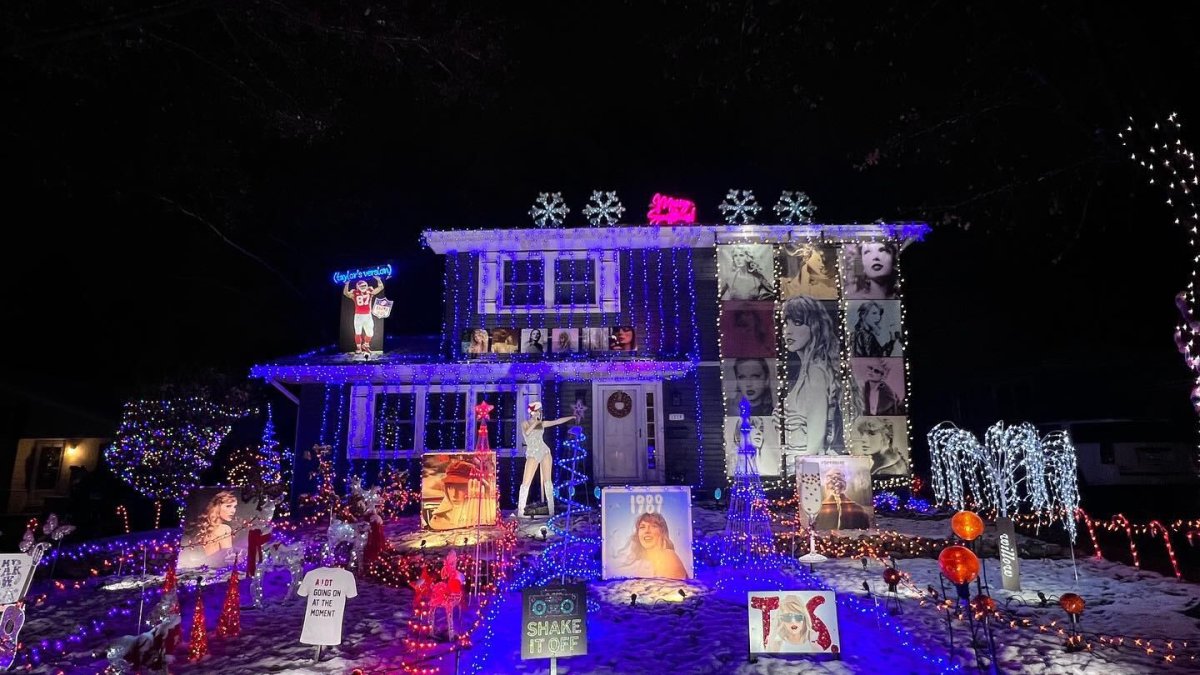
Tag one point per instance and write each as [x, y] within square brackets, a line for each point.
[573, 554]
[747, 539]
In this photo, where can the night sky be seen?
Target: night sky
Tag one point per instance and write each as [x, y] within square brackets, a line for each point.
[183, 180]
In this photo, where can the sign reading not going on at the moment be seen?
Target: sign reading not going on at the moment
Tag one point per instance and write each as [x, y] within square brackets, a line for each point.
[554, 621]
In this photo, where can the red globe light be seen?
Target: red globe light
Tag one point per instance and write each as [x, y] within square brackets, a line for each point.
[1072, 603]
[891, 576]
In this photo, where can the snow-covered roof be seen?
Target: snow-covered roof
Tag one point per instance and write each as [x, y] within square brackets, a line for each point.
[643, 236]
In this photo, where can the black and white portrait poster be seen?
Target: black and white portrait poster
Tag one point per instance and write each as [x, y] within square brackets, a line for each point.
[879, 382]
[763, 438]
[875, 328]
[594, 339]
[748, 329]
[812, 399]
[871, 271]
[534, 341]
[883, 439]
[753, 379]
[808, 270]
[564, 340]
[745, 272]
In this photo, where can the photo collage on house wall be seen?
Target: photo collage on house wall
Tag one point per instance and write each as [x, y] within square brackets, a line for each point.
[790, 317]
[547, 341]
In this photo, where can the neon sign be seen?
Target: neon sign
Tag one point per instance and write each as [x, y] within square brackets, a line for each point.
[666, 210]
[383, 271]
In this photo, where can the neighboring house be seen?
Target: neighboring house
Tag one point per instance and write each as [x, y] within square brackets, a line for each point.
[1127, 452]
[45, 469]
[654, 401]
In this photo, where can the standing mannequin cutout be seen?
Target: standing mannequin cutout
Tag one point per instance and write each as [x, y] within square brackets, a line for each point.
[537, 455]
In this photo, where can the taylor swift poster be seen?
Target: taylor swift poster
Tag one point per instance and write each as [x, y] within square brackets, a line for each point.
[646, 532]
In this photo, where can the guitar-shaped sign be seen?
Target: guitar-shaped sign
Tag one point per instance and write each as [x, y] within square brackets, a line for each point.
[16, 574]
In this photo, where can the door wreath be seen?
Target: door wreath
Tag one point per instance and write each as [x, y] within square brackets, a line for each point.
[619, 404]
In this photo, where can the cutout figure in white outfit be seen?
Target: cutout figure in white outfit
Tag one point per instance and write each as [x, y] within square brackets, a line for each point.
[537, 455]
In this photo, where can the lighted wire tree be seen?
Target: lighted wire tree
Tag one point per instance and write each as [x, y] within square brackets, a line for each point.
[162, 445]
[747, 538]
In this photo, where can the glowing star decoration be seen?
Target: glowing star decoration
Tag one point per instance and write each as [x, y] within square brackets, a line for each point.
[603, 209]
[794, 208]
[579, 410]
[739, 207]
[549, 210]
[666, 210]
[483, 413]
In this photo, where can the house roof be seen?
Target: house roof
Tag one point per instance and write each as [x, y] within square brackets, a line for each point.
[642, 236]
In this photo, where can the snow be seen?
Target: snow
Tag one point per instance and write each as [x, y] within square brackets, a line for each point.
[704, 630]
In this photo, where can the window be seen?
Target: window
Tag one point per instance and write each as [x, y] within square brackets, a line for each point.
[1107, 454]
[49, 467]
[575, 282]
[403, 421]
[549, 281]
[502, 430]
[395, 424]
[524, 283]
[446, 421]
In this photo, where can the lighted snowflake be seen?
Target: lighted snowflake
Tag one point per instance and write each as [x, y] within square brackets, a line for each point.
[549, 210]
[794, 208]
[739, 207]
[603, 209]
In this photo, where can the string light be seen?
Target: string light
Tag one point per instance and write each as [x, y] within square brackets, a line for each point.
[1172, 165]
[163, 445]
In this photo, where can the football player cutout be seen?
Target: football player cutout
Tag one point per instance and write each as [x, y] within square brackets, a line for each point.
[364, 322]
[537, 455]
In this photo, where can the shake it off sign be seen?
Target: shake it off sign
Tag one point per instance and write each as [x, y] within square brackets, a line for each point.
[554, 622]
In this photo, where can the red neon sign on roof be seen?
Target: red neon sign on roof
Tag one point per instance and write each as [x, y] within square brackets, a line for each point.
[666, 210]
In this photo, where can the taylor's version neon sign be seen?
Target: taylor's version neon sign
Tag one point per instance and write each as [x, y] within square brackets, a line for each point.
[384, 271]
[666, 210]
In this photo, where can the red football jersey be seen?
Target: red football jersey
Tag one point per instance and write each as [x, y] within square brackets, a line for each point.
[362, 301]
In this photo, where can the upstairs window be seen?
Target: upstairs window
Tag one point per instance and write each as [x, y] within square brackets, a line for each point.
[575, 281]
[549, 281]
[524, 283]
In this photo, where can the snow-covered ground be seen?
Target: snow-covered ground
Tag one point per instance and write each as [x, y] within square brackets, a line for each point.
[704, 630]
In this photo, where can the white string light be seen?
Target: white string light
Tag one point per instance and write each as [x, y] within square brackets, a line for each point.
[1169, 163]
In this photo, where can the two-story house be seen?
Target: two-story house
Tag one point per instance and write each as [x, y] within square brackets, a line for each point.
[651, 336]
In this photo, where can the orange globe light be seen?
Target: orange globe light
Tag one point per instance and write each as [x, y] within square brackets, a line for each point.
[1072, 603]
[958, 564]
[967, 525]
[983, 604]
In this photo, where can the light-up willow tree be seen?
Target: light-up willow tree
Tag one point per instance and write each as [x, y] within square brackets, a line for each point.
[1013, 470]
[1172, 168]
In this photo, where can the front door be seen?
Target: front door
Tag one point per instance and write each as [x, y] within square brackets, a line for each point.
[625, 422]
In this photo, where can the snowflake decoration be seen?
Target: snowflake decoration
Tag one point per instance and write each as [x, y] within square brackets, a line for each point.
[549, 210]
[739, 207]
[794, 208]
[603, 209]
